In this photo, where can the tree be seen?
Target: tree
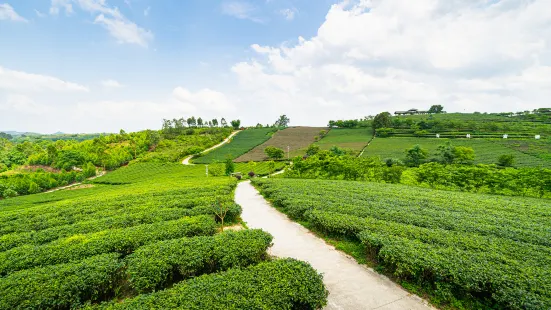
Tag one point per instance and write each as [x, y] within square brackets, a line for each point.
[382, 120]
[506, 160]
[229, 165]
[221, 207]
[271, 166]
[223, 122]
[282, 122]
[200, 122]
[89, 170]
[416, 156]
[435, 109]
[235, 124]
[191, 121]
[274, 152]
[463, 155]
[6, 136]
[313, 150]
[215, 122]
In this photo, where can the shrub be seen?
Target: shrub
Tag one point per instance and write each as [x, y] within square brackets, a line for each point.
[60, 286]
[506, 160]
[384, 132]
[280, 284]
[274, 152]
[153, 266]
[123, 241]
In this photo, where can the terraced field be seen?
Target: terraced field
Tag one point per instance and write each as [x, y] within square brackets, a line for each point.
[487, 151]
[239, 145]
[354, 139]
[477, 251]
[143, 228]
[296, 138]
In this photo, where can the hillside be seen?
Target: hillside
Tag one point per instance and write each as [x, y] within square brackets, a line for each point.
[353, 139]
[239, 145]
[527, 153]
[141, 229]
[296, 138]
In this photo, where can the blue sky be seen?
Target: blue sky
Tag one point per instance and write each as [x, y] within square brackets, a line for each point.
[102, 65]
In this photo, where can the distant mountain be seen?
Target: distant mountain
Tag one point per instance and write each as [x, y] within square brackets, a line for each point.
[18, 133]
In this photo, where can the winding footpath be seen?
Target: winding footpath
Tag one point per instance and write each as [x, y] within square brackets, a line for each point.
[187, 159]
[350, 285]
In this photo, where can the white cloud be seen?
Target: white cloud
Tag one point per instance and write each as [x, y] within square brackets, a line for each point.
[371, 56]
[241, 10]
[205, 100]
[58, 5]
[289, 14]
[22, 81]
[147, 11]
[21, 104]
[118, 26]
[111, 84]
[8, 13]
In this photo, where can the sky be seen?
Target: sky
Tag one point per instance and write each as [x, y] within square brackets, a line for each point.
[103, 65]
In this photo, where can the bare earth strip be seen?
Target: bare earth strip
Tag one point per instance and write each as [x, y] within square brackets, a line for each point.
[350, 285]
[296, 138]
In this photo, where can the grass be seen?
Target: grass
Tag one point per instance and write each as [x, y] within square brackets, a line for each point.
[239, 145]
[296, 138]
[354, 139]
[487, 151]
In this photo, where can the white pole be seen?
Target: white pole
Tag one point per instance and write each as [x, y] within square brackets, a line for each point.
[207, 170]
[288, 150]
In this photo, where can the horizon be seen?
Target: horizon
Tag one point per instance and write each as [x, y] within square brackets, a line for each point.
[96, 66]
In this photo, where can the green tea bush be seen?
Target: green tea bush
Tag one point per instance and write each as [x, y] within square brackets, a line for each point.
[153, 266]
[281, 284]
[60, 286]
[123, 241]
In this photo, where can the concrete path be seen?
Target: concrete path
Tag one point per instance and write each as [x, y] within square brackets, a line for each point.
[351, 286]
[187, 159]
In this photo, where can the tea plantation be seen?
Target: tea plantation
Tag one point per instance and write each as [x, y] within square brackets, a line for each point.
[141, 229]
[469, 251]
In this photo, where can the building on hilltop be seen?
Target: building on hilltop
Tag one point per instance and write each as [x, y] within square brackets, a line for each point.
[411, 112]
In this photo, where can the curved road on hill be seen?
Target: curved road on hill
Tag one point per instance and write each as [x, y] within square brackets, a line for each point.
[187, 159]
[350, 285]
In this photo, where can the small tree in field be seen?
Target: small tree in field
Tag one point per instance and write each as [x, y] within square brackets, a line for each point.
[271, 166]
[235, 124]
[506, 160]
[229, 165]
[274, 152]
[416, 156]
[220, 209]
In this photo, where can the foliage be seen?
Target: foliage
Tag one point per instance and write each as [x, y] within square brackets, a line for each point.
[506, 160]
[280, 284]
[235, 124]
[282, 122]
[122, 240]
[229, 166]
[384, 132]
[416, 156]
[527, 153]
[274, 152]
[435, 109]
[353, 123]
[60, 286]
[313, 149]
[381, 120]
[495, 250]
[151, 267]
[36, 182]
